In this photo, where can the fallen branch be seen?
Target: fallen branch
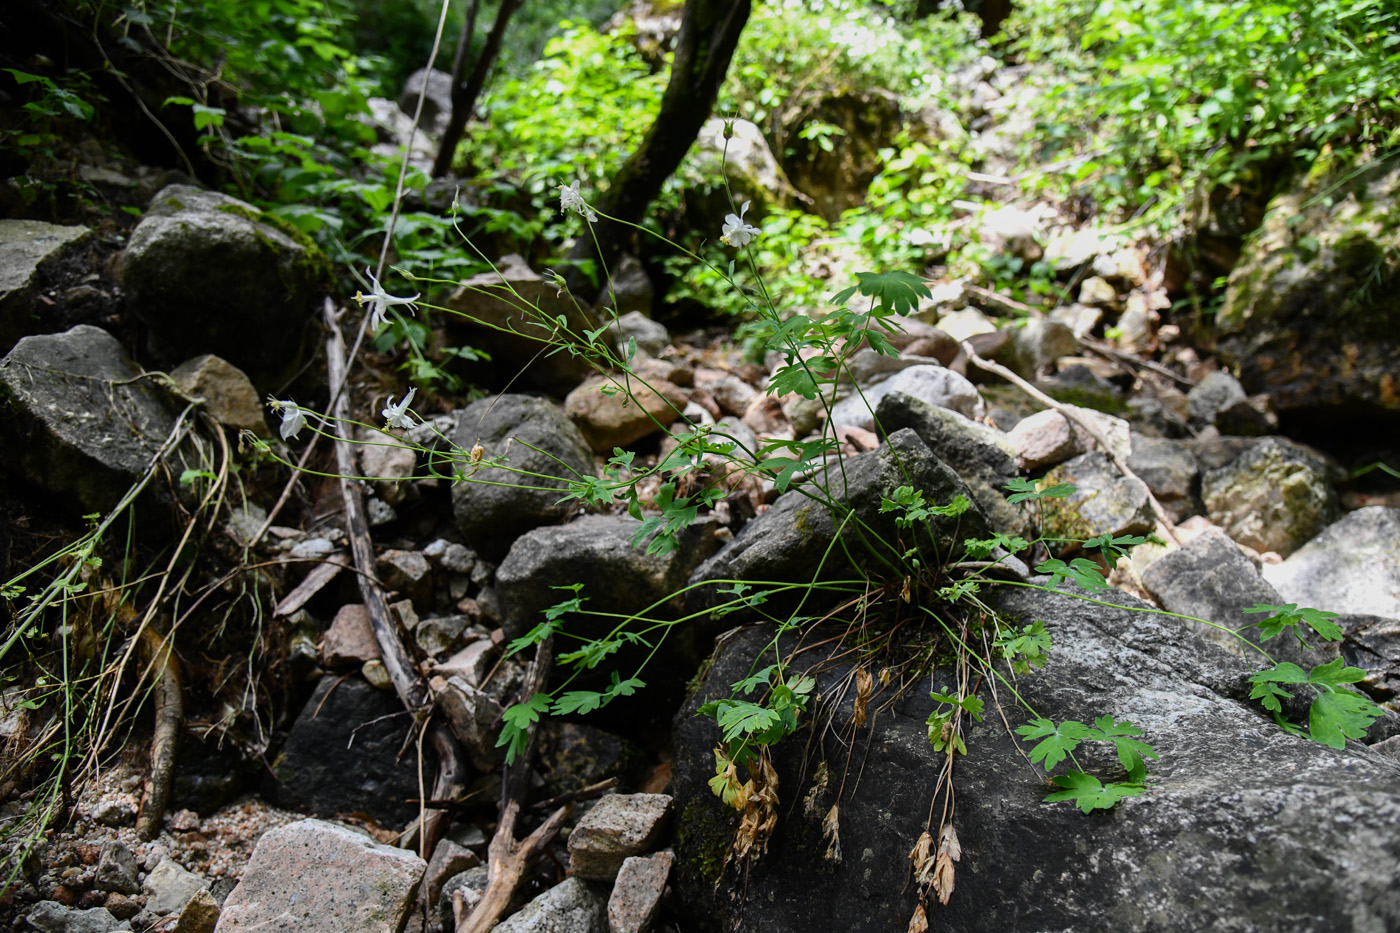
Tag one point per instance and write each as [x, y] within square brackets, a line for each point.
[170, 714]
[397, 663]
[1068, 412]
[509, 859]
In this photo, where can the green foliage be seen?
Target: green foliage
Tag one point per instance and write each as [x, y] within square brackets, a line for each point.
[1025, 649]
[910, 503]
[1336, 714]
[1080, 570]
[1288, 616]
[1058, 742]
[1024, 490]
[1179, 93]
[745, 724]
[944, 731]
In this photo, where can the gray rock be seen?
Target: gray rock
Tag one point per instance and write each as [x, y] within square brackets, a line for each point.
[651, 337]
[208, 273]
[1310, 314]
[437, 103]
[981, 456]
[472, 884]
[449, 555]
[1244, 827]
[342, 755]
[1218, 391]
[572, 906]
[53, 917]
[1080, 319]
[633, 291]
[439, 634]
[574, 755]
[1097, 291]
[318, 877]
[1104, 502]
[1012, 231]
[490, 516]
[1039, 343]
[619, 826]
[28, 250]
[1352, 566]
[1169, 470]
[117, 869]
[169, 887]
[472, 663]
[228, 393]
[511, 313]
[636, 895]
[199, 915]
[932, 384]
[617, 411]
[1372, 643]
[790, 539]
[1211, 579]
[1273, 498]
[449, 860]
[78, 421]
[474, 717]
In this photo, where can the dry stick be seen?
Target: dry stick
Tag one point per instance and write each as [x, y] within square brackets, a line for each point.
[509, 860]
[1071, 415]
[397, 663]
[170, 713]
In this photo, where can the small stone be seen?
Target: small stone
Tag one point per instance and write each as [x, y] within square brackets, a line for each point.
[407, 572]
[636, 895]
[651, 337]
[228, 393]
[121, 906]
[350, 640]
[449, 860]
[473, 716]
[1095, 290]
[960, 325]
[312, 549]
[169, 887]
[472, 663]
[1275, 497]
[376, 674]
[630, 413]
[113, 811]
[572, 906]
[1353, 566]
[438, 634]
[619, 826]
[1081, 319]
[451, 556]
[52, 917]
[1215, 393]
[200, 915]
[317, 877]
[116, 870]
[1104, 501]
[184, 821]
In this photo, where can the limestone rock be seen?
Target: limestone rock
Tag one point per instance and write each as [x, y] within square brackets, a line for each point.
[1352, 566]
[53, 917]
[1272, 498]
[1039, 343]
[169, 887]
[209, 273]
[616, 411]
[116, 870]
[572, 906]
[437, 103]
[1104, 502]
[619, 826]
[1048, 437]
[512, 313]
[636, 894]
[28, 250]
[651, 337]
[1244, 826]
[319, 877]
[932, 384]
[1310, 315]
[78, 421]
[1169, 469]
[228, 393]
[789, 540]
[491, 517]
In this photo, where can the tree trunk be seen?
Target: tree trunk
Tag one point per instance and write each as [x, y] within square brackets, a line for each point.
[709, 34]
[464, 95]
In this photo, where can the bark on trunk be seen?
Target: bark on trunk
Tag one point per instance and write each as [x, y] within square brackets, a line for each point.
[464, 95]
[709, 33]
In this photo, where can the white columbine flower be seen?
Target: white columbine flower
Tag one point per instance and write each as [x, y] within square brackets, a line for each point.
[395, 414]
[293, 419]
[379, 301]
[736, 232]
[571, 200]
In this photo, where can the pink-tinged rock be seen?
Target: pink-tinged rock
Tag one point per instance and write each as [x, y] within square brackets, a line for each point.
[1047, 437]
[319, 877]
[618, 419]
[618, 827]
[636, 895]
[349, 642]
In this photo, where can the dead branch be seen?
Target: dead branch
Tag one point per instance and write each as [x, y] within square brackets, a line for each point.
[1071, 415]
[170, 715]
[406, 680]
[574, 796]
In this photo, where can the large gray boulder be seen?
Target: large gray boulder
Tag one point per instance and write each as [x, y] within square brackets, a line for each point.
[1170, 470]
[490, 512]
[1352, 566]
[983, 457]
[29, 250]
[1310, 315]
[1104, 501]
[208, 273]
[78, 420]
[1273, 497]
[1243, 827]
[319, 877]
[573, 906]
[794, 538]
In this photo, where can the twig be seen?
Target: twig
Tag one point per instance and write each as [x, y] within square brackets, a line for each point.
[170, 713]
[574, 796]
[1071, 415]
[1121, 357]
[402, 674]
[509, 860]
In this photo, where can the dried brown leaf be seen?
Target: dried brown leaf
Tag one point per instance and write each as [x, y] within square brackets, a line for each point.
[865, 684]
[948, 843]
[819, 782]
[919, 922]
[943, 878]
[831, 829]
[919, 857]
